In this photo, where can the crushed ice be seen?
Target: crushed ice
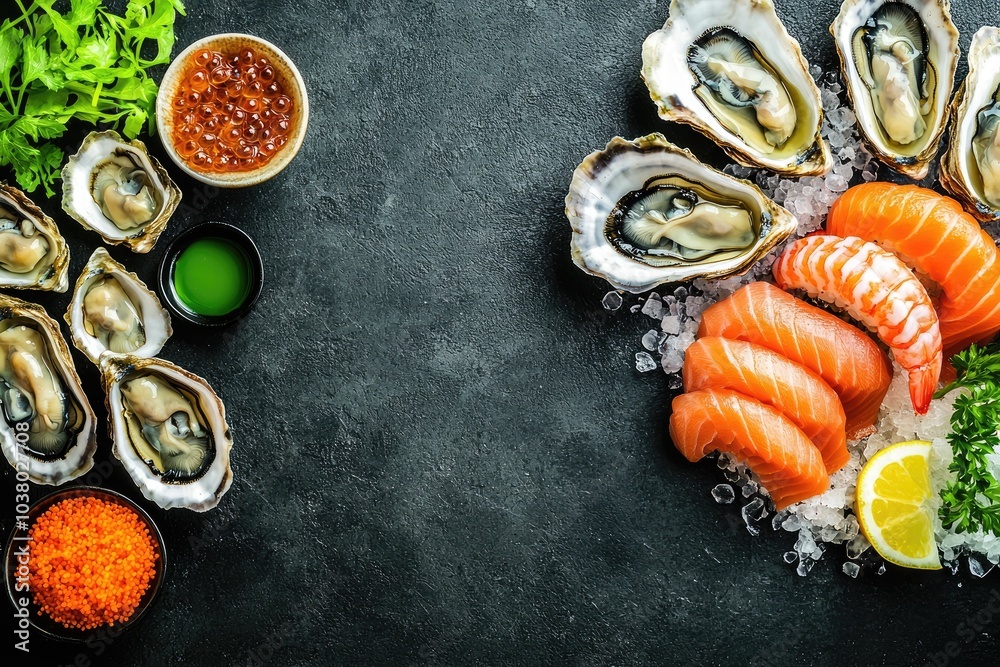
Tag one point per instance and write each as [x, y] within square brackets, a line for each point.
[827, 519]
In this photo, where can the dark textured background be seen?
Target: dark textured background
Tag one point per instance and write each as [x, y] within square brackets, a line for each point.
[443, 453]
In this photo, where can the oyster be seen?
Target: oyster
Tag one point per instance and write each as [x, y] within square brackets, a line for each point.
[118, 190]
[47, 427]
[33, 254]
[898, 58]
[731, 70]
[646, 212]
[113, 311]
[970, 168]
[169, 430]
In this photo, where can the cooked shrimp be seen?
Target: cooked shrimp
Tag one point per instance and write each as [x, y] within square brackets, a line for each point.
[877, 289]
[933, 234]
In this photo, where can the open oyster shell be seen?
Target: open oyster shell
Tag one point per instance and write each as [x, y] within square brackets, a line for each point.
[118, 190]
[170, 432]
[47, 427]
[898, 58]
[646, 212]
[970, 168]
[33, 254]
[113, 311]
[731, 70]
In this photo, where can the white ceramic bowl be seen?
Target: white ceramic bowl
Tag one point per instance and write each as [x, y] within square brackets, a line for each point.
[287, 74]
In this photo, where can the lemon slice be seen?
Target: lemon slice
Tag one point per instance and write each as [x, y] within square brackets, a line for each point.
[895, 505]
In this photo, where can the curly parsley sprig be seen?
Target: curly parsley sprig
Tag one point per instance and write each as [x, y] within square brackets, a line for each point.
[88, 64]
[971, 501]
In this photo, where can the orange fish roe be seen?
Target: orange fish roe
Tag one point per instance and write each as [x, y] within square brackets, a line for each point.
[91, 562]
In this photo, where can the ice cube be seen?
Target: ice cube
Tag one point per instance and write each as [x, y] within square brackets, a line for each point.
[651, 339]
[670, 324]
[851, 569]
[857, 546]
[653, 307]
[723, 494]
[754, 510]
[790, 557]
[978, 568]
[836, 182]
[643, 362]
[612, 301]
[672, 361]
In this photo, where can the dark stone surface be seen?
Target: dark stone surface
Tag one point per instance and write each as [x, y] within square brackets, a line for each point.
[443, 453]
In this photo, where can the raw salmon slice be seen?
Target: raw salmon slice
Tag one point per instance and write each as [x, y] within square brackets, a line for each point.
[788, 464]
[932, 233]
[795, 391]
[847, 359]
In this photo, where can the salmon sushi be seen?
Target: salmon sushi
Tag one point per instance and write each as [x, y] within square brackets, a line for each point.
[846, 358]
[755, 371]
[931, 233]
[788, 464]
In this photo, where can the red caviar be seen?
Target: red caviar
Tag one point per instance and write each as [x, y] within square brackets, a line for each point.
[231, 112]
[91, 562]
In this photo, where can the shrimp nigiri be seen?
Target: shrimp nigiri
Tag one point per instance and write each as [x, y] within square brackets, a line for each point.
[933, 234]
[877, 289]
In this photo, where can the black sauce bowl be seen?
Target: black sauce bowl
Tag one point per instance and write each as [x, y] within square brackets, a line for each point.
[219, 230]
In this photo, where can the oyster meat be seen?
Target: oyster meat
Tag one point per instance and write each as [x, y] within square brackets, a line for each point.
[731, 70]
[646, 212]
[898, 58]
[33, 254]
[970, 168]
[170, 432]
[48, 428]
[118, 190]
[113, 311]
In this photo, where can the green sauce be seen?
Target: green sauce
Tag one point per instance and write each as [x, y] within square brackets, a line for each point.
[212, 277]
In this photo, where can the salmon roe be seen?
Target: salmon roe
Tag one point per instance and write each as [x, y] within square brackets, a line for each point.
[91, 562]
[231, 112]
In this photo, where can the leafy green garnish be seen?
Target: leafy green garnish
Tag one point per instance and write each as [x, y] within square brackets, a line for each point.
[972, 499]
[88, 64]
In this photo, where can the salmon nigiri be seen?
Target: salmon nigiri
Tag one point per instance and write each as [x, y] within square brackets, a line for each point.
[878, 290]
[932, 233]
[788, 464]
[848, 360]
[794, 390]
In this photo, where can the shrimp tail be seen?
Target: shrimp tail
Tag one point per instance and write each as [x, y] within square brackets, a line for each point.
[923, 383]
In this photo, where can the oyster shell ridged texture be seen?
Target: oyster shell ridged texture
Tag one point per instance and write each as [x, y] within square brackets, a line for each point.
[33, 254]
[731, 70]
[118, 190]
[47, 427]
[113, 311]
[898, 59]
[646, 212]
[170, 432]
[970, 168]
